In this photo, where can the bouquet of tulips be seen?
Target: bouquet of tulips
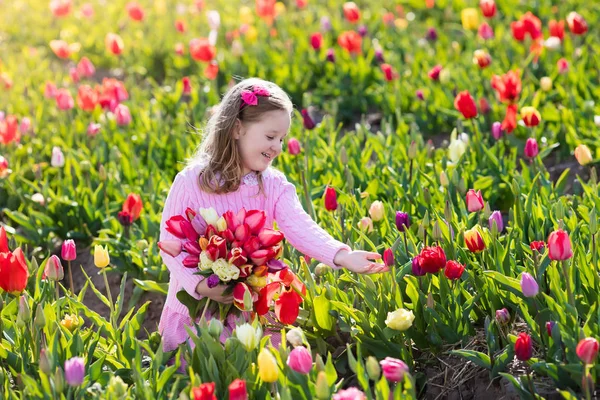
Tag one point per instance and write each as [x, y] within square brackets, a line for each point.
[238, 250]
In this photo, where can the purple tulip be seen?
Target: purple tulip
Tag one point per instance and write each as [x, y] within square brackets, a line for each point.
[431, 35]
[496, 217]
[330, 55]
[497, 130]
[502, 316]
[325, 23]
[307, 120]
[416, 267]
[529, 286]
[379, 56]
[213, 281]
[402, 221]
[362, 31]
[74, 371]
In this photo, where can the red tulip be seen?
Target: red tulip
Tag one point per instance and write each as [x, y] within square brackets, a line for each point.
[531, 148]
[388, 72]
[351, 12]
[218, 245]
[181, 228]
[3, 241]
[3, 165]
[587, 350]
[87, 98]
[388, 257]
[316, 40]
[577, 24]
[133, 206]
[532, 25]
[330, 199]
[454, 270]
[557, 29]
[465, 104]
[180, 26]
[13, 270]
[191, 261]
[287, 306]
[113, 43]
[242, 233]
[350, 41]
[135, 11]
[211, 70]
[179, 49]
[507, 86]
[537, 246]
[510, 119]
[9, 130]
[265, 9]
[474, 241]
[562, 65]
[242, 296]
[432, 259]
[192, 248]
[474, 200]
[559, 245]
[251, 245]
[205, 391]
[488, 8]
[523, 348]
[236, 257]
[262, 256]
[434, 73]
[187, 88]
[237, 390]
[62, 49]
[61, 8]
[202, 50]
[518, 30]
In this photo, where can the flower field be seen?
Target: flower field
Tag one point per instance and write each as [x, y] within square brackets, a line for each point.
[458, 139]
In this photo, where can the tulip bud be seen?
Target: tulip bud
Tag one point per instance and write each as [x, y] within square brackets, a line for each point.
[497, 130]
[323, 392]
[436, 234]
[502, 316]
[102, 173]
[344, 155]
[319, 364]
[294, 146]
[267, 366]
[496, 219]
[529, 286]
[24, 315]
[54, 269]
[295, 336]
[388, 258]
[330, 199]
[549, 326]
[546, 83]
[402, 221]
[448, 211]
[215, 328]
[412, 150]
[59, 380]
[426, 196]
[40, 319]
[377, 211]
[444, 179]
[44, 363]
[373, 368]
[393, 369]
[474, 200]
[321, 269]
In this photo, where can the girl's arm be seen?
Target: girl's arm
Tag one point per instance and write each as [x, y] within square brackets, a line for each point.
[309, 238]
[177, 202]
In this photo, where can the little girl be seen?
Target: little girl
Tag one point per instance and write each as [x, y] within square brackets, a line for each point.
[232, 169]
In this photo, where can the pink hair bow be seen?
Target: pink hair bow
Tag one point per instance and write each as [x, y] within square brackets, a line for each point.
[250, 96]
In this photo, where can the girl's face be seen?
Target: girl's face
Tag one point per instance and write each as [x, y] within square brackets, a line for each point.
[261, 141]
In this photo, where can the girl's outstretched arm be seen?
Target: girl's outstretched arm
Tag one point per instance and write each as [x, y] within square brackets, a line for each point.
[309, 238]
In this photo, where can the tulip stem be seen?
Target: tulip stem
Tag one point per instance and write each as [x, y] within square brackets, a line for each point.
[530, 379]
[568, 284]
[110, 301]
[406, 244]
[71, 278]
[205, 308]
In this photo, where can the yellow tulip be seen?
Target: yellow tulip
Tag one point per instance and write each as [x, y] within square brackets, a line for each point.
[267, 366]
[246, 16]
[251, 34]
[470, 18]
[377, 210]
[583, 154]
[546, 83]
[101, 256]
[279, 8]
[70, 321]
[400, 320]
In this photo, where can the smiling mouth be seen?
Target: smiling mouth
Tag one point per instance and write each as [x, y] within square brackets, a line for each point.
[268, 157]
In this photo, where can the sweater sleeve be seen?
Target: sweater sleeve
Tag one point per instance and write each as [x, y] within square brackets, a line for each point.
[302, 232]
[177, 202]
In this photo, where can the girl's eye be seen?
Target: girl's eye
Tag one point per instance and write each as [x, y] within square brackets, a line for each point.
[270, 137]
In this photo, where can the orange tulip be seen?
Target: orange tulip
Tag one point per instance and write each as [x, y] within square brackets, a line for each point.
[350, 41]
[87, 98]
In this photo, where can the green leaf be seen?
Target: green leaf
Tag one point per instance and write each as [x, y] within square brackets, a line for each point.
[477, 357]
[322, 306]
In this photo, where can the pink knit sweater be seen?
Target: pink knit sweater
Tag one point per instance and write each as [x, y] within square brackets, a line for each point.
[280, 203]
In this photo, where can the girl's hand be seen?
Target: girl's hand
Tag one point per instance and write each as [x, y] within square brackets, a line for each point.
[215, 293]
[359, 261]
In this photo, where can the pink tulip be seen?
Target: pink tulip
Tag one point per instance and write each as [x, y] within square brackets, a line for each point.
[64, 100]
[300, 360]
[256, 220]
[68, 250]
[85, 68]
[474, 200]
[93, 129]
[531, 148]
[25, 125]
[393, 369]
[122, 115]
[171, 247]
[269, 237]
[587, 350]
[294, 146]
[54, 269]
[50, 90]
[559, 245]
